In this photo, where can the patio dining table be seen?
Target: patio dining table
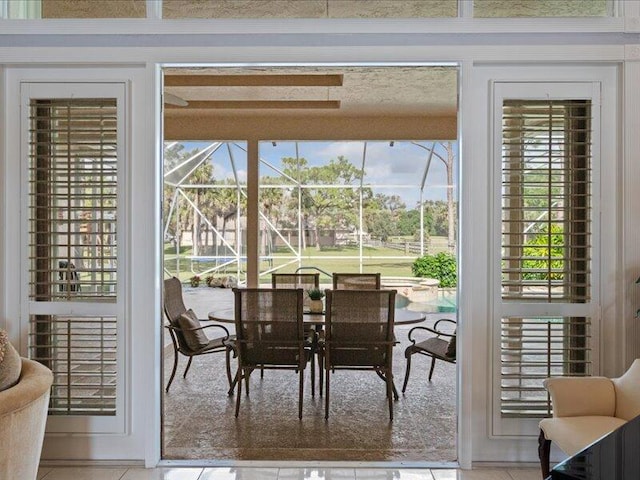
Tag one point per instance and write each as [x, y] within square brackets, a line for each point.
[402, 316]
[226, 314]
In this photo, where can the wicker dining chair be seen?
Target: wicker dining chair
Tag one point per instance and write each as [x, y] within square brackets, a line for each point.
[359, 335]
[187, 334]
[356, 281]
[440, 345]
[305, 281]
[270, 334]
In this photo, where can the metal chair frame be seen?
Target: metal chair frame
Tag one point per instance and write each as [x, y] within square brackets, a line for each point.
[304, 281]
[340, 284]
[173, 308]
[253, 343]
[431, 349]
[382, 365]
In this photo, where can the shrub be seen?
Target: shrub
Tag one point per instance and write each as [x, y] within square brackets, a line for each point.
[544, 253]
[441, 266]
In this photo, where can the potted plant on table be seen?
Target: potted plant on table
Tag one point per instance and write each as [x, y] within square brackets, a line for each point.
[316, 295]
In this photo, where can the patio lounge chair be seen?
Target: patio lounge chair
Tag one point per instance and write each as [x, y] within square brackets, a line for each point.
[187, 334]
[270, 334]
[359, 335]
[442, 346]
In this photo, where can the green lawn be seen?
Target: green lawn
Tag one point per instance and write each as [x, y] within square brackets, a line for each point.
[310, 257]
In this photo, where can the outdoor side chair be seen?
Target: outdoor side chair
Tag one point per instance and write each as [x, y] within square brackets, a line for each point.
[305, 281]
[442, 346]
[187, 334]
[356, 281]
[359, 336]
[270, 334]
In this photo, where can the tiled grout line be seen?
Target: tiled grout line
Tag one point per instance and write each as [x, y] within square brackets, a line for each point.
[359, 473]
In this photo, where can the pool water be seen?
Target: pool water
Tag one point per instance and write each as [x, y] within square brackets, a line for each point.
[445, 303]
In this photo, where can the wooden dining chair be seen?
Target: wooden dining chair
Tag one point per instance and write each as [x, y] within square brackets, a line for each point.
[356, 281]
[270, 334]
[359, 336]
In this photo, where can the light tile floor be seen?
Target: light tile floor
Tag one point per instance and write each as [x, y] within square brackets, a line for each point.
[254, 473]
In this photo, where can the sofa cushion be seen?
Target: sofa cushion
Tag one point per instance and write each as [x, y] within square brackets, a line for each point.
[10, 363]
[196, 339]
[572, 434]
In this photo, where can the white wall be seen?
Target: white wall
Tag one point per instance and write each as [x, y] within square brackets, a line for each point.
[481, 57]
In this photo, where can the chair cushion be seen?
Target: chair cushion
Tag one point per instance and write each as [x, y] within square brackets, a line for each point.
[10, 363]
[451, 347]
[628, 392]
[196, 339]
[433, 346]
[572, 434]
[217, 343]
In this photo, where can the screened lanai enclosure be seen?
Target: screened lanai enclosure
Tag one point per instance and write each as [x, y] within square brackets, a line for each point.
[366, 206]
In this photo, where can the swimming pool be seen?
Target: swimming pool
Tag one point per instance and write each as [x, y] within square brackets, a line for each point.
[445, 302]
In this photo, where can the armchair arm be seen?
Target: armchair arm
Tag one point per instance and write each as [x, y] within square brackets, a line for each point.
[178, 329]
[433, 330]
[215, 325]
[581, 396]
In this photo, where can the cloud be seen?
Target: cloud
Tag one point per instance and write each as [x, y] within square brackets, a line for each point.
[401, 165]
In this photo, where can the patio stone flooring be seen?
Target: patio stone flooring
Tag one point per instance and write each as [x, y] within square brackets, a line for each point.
[199, 422]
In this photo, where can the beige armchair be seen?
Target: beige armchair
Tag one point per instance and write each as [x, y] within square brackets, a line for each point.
[23, 415]
[586, 409]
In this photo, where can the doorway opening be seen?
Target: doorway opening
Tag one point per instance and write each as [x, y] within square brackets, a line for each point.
[299, 169]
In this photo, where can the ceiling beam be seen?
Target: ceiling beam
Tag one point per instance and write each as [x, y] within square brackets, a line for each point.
[185, 124]
[306, 80]
[259, 104]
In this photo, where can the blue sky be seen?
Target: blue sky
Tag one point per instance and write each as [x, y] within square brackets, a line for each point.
[401, 165]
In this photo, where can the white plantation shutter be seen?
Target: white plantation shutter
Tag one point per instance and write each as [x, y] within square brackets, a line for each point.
[536, 348]
[72, 199]
[545, 218]
[74, 150]
[546, 178]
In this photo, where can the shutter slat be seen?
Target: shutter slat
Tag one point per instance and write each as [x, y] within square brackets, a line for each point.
[546, 200]
[542, 348]
[81, 352]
